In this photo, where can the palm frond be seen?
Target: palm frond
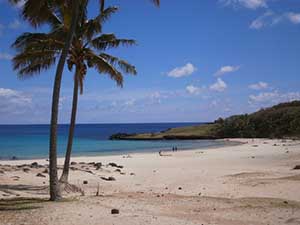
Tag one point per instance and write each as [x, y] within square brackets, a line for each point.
[106, 41]
[40, 12]
[103, 66]
[122, 64]
[31, 63]
[30, 42]
[94, 26]
[156, 2]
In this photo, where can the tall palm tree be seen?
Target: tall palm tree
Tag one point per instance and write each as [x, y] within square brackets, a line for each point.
[38, 13]
[38, 51]
[83, 55]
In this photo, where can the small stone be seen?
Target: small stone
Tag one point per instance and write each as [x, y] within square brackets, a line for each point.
[26, 170]
[98, 165]
[118, 170]
[40, 175]
[73, 163]
[180, 188]
[85, 182]
[115, 211]
[108, 179]
[132, 174]
[115, 165]
[296, 167]
[285, 202]
[46, 171]
[34, 165]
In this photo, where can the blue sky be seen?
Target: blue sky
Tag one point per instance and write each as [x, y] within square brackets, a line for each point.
[196, 61]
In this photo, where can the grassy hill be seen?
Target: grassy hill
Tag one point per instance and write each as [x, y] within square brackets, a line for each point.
[282, 120]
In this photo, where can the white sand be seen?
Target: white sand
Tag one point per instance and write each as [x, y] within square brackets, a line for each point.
[251, 183]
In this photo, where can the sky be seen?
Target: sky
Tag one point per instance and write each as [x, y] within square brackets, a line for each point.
[196, 61]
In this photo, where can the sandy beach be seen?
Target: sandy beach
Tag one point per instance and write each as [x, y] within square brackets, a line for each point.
[252, 183]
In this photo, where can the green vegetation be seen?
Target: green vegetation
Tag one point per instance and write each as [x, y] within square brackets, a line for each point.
[279, 121]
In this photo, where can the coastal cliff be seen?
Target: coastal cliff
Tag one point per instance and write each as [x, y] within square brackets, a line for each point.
[279, 121]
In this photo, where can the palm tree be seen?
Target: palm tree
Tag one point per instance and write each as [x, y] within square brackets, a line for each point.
[38, 13]
[37, 51]
[83, 55]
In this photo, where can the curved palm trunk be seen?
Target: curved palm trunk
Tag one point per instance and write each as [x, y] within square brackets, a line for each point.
[65, 175]
[55, 193]
[102, 5]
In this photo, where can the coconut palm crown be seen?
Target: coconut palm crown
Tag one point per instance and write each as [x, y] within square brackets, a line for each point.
[39, 51]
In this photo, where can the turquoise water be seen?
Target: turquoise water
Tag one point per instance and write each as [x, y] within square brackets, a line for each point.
[32, 141]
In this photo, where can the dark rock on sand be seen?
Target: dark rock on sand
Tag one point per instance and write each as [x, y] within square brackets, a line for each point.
[46, 171]
[108, 179]
[40, 175]
[115, 211]
[296, 167]
[34, 165]
[98, 165]
[89, 171]
[26, 170]
[115, 165]
[73, 163]
[118, 170]
[85, 182]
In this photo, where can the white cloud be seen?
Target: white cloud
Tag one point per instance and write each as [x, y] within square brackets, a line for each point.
[5, 56]
[261, 21]
[186, 70]
[226, 69]
[17, 5]
[15, 24]
[191, 89]
[219, 86]
[130, 102]
[13, 102]
[275, 97]
[259, 86]
[293, 17]
[250, 4]
[270, 18]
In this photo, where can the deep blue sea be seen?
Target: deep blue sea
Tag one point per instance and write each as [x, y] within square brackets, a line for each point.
[32, 141]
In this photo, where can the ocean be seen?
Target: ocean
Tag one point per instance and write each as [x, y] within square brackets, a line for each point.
[32, 141]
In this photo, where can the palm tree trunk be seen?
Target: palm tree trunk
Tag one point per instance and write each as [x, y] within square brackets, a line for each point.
[65, 175]
[102, 5]
[55, 193]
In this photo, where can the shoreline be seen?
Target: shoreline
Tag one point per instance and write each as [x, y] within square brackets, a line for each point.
[229, 142]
